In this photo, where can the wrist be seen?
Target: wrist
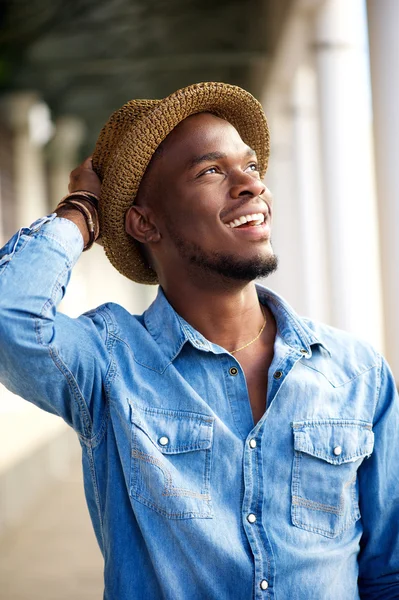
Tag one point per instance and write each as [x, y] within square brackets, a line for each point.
[72, 214]
[81, 208]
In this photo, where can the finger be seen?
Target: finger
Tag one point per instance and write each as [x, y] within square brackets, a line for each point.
[88, 163]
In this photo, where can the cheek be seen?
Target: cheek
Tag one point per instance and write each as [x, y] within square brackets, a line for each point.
[193, 215]
[188, 215]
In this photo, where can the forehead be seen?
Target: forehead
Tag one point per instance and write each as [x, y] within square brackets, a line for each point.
[199, 133]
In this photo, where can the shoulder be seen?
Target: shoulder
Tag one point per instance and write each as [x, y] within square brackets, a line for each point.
[111, 318]
[341, 356]
[340, 341]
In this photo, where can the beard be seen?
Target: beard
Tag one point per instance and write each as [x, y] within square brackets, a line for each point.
[228, 266]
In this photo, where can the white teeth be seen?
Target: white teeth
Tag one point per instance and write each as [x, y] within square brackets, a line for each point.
[257, 219]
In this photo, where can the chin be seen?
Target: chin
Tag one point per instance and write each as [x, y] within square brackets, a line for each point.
[237, 267]
[229, 264]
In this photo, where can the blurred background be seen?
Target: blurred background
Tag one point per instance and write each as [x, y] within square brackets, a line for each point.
[327, 74]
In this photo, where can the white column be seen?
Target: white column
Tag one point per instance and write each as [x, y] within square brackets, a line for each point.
[29, 121]
[290, 101]
[63, 155]
[345, 125]
[383, 17]
[280, 179]
[308, 196]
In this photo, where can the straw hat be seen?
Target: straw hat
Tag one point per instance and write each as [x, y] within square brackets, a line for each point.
[131, 136]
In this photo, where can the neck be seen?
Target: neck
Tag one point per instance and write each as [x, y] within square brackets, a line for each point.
[228, 315]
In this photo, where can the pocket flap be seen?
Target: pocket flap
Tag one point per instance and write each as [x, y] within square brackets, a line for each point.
[174, 431]
[334, 440]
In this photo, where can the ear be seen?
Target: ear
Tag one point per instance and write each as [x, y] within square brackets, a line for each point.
[139, 224]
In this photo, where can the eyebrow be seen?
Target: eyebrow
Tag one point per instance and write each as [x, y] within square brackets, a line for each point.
[197, 160]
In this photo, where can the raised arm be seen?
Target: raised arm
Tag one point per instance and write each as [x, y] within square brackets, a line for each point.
[56, 362]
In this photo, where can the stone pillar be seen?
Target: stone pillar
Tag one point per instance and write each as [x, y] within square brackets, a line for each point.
[63, 156]
[29, 120]
[290, 101]
[309, 197]
[383, 20]
[280, 179]
[345, 124]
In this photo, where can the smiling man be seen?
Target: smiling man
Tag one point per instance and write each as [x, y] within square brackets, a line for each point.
[231, 449]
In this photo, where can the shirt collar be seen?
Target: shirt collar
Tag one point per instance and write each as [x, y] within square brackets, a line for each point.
[172, 332]
[292, 328]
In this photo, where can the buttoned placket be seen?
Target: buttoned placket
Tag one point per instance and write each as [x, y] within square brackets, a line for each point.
[255, 487]
[252, 513]
[252, 502]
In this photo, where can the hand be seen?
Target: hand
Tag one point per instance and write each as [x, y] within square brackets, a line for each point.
[84, 178]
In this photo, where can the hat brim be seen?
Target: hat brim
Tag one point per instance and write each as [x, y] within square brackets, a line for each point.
[126, 166]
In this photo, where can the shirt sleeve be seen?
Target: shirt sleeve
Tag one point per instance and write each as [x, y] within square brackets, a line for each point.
[51, 360]
[379, 499]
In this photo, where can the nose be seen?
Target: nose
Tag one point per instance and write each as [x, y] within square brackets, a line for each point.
[247, 184]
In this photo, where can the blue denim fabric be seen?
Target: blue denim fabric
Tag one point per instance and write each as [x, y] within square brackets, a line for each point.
[173, 463]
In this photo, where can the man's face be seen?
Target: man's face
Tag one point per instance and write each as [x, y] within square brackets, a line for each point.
[203, 181]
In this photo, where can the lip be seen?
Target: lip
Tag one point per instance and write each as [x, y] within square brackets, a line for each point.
[258, 232]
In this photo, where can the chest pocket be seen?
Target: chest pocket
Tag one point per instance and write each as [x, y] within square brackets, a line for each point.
[171, 461]
[327, 455]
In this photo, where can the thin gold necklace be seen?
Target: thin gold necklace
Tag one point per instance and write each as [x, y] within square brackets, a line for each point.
[255, 338]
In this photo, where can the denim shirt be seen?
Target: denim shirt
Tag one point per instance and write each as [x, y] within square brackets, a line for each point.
[189, 499]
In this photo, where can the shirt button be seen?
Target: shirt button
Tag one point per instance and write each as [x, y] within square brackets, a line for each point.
[233, 371]
[337, 450]
[251, 518]
[278, 375]
[264, 584]
[252, 443]
[163, 440]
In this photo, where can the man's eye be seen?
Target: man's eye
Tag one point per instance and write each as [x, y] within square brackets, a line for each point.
[210, 170]
[253, 167]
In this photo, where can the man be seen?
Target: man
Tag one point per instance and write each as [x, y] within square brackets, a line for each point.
[231, 449]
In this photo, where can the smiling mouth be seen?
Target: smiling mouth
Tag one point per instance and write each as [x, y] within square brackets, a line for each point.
[253, 220]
